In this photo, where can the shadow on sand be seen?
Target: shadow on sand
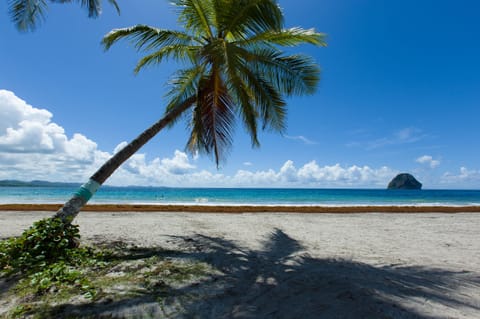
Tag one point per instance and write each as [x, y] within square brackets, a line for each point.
[282, 281]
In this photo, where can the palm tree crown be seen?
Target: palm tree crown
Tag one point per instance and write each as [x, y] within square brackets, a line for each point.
[27, 14]
[233, 67]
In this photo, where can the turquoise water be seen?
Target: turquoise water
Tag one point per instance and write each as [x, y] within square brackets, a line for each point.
[242, 196]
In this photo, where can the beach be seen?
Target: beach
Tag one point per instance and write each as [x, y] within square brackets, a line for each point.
[305, 265]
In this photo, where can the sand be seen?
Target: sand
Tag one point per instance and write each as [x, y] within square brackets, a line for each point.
[284, 265]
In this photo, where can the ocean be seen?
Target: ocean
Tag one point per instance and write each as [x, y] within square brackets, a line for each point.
[244, 196]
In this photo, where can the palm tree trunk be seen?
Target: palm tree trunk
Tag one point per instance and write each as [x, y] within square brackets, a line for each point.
[73, 206]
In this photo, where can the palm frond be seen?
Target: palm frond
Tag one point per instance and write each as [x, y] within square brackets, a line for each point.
[176, 52]
[243, 17]
[147, 38]
[248, 114]
[287, 37]
[115, 5]
[270, 106]
[183, 86]
[196, 16]
[94, 7]
[243, 95]
[302, 75]
[289, 74]
[27, 14]
[213, 119]
[213, 53]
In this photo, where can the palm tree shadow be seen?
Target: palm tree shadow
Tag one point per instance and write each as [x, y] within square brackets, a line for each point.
[6, 283]
[282, 281]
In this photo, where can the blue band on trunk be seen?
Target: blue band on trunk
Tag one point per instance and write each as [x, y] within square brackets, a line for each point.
[87, 190]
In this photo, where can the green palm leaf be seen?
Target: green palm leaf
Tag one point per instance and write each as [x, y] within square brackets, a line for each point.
[244, 17]
[289, 74]
[241, 93]
[258, 99]
[287, 37]
[183, 86]
[146, 38]
[196, 15]
[94, 7]
[176, 52]
[28, 14]
[213, 119]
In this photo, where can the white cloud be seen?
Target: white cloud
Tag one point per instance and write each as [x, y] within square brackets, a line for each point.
[177, 165]
[313, 175]
[174, 172]
[256, 179]
[33, 147]
[428, 160]
[353, 176]
[119, 147]
[196, 156]
[301, 138]
[137, 171]
[288, 172]
[465, 178]
[404, 136]
[247, 163]
[25, 129]
[408, 135]
[14, 110]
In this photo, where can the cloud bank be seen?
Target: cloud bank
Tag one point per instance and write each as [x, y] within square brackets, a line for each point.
[33, 147]
[468, 178]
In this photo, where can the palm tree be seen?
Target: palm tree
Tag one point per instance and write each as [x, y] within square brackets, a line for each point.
[233, 66]
[27, 14]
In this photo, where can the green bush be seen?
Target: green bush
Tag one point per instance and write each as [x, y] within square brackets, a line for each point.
[46, 242]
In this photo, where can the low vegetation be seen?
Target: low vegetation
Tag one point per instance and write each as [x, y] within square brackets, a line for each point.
[45, 273]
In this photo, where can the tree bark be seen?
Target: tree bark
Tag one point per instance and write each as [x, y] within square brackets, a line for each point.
[73, 206]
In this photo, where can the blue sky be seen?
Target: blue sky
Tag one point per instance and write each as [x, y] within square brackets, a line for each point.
[400, 92]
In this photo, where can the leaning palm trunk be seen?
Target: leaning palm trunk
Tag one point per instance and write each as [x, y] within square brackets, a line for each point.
[73, 206]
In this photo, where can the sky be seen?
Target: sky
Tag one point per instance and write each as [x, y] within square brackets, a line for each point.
[399, 92]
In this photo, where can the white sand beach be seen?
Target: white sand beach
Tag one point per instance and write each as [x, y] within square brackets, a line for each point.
[281, 265]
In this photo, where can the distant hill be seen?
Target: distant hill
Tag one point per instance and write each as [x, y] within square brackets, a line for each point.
[16, 183]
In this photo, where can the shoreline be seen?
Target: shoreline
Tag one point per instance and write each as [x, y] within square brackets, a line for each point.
[247, 208]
